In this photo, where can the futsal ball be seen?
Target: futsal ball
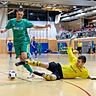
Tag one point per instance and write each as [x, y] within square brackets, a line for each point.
[12, 75]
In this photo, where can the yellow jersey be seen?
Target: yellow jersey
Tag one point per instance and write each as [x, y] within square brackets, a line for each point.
[79, 44]
[71, 70]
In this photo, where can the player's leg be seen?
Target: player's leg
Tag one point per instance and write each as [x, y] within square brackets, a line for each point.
[48, 77]
[35, 53]
[10, 52]
[33, 63]
[21, 53]
[43, 65]
[94, 50]
[56, 70]
[25, 55]
[22, 58]
[12, 73]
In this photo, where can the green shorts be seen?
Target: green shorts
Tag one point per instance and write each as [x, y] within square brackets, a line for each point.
[25, 47]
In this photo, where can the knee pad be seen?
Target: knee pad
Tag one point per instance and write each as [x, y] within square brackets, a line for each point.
[50, 77]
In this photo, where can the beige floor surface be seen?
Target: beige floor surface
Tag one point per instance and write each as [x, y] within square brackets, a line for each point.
[37, 86]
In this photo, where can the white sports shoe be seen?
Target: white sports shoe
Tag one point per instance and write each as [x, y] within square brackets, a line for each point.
[31, 75]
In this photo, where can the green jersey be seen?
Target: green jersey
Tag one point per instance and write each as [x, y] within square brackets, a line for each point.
[19, 29]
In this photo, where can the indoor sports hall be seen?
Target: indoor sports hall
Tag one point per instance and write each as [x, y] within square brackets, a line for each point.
[41, 35]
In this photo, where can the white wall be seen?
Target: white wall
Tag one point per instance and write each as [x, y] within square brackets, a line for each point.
[43, 33]
[3, 21]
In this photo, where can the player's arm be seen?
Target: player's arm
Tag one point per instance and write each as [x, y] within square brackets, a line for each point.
[72, 38]
[85, 74]
[41, 27]
[30, 25]
[8, 26]
[71, 56]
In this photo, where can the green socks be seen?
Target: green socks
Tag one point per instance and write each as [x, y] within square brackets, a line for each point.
[28, 67]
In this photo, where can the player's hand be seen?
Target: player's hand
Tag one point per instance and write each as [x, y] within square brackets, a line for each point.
[48, 26]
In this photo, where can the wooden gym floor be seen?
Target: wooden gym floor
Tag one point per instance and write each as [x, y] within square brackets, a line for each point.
[37, 86]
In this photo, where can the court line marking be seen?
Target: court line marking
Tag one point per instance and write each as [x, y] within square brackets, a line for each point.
[17, 77]
[23, 79]
[88, 94]
[20, 78]
[4, 84]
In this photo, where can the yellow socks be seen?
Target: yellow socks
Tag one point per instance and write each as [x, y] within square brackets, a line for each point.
[50, 77]
[33, 63]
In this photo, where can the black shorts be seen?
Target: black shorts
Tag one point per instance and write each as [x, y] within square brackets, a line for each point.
[56, 69]
[93, 50]
[79, 48]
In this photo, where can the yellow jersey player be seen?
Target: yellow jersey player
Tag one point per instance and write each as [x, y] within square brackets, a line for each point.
[74, 69]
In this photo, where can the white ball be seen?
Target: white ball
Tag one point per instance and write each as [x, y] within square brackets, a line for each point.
[12, 75]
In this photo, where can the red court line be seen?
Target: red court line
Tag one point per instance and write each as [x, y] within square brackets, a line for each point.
[88, 94]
